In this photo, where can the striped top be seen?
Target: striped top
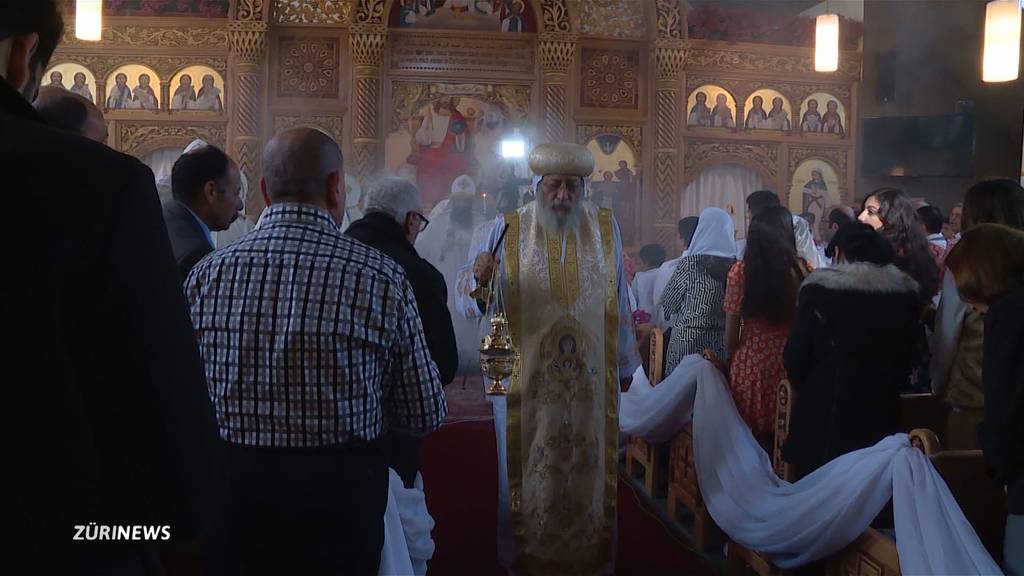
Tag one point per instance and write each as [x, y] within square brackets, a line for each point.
[310, 338]
[694, 298]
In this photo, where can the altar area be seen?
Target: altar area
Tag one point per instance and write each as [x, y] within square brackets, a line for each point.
[680, 114]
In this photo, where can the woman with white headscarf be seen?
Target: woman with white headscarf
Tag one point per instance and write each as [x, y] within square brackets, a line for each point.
[696, 292]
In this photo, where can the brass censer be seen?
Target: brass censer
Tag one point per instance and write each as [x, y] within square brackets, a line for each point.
[497, 353]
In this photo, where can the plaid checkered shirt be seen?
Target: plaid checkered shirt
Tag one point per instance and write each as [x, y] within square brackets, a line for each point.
[311, 338]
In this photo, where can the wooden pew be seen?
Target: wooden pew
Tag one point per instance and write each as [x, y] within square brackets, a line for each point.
[739, 557]
[650, 457]
[922, 411]
[684, 489]
[983, 504]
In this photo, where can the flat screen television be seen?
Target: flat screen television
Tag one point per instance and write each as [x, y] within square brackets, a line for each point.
[918, 146]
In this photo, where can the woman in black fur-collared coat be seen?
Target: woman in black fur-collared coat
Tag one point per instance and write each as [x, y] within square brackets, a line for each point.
[851, 349]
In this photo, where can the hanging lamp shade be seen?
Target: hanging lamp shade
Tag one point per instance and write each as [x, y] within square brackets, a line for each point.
[607, 143]
[89, 20]
[1001, 57]
[826, 43]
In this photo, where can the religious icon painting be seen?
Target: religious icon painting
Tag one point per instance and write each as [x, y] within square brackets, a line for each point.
[711, 106]
[133, 87]
[814, 187]
[476, 15]
[73, 77]
[767, 109]
[197, 88]
[447, 137]
[822, 113]
[616, 180]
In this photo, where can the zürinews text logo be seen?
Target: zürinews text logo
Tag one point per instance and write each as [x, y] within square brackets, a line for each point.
[93, 531]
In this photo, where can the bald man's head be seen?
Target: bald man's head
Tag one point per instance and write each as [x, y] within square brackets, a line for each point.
[304, 165]
[71, 112]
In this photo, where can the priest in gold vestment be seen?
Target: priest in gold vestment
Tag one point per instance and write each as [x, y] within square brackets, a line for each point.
[559, 262]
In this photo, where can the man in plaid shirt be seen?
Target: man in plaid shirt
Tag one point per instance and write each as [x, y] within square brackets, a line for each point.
[313, 346]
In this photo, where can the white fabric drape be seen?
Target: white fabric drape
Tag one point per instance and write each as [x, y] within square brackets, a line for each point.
[724, 186]
[407, 525]
[808, 520]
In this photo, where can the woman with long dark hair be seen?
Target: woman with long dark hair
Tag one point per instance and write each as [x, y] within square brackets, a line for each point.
[890, 212]
[761, 296]
[958, 343]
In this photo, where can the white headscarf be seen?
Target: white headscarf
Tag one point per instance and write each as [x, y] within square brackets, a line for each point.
[805, 247]
[714, 235]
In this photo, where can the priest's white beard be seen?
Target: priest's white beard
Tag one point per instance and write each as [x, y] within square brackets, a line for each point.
[553, 223]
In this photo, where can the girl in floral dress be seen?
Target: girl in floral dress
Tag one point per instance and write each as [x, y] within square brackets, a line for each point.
[761, 295]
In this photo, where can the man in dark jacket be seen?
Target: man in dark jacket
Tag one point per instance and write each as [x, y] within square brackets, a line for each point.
[391, 225]
[206, 186]
[110, 419]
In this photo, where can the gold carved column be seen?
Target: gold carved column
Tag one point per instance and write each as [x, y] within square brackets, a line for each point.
[669, 56]
[668, 59]
[367, 47]
[248, 39]
[556, 57]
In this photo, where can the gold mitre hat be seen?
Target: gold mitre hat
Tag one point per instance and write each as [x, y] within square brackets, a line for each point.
[562, 158]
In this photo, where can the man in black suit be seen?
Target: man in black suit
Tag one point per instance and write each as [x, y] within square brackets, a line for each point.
[106, 397]
[391, 225]
[206, 186]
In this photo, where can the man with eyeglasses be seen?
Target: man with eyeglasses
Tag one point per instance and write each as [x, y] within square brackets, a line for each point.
[392, 223]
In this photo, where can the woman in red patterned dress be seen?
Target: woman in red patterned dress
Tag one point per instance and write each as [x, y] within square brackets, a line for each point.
[761, 295]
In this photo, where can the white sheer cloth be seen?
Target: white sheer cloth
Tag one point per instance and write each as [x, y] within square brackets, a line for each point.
[407, 525]
[808, 520]
[724, 186]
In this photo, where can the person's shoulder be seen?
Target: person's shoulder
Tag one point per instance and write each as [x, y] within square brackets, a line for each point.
[375, 261]
[862, 277]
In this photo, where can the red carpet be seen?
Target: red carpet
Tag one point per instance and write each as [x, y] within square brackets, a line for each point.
[460, 473]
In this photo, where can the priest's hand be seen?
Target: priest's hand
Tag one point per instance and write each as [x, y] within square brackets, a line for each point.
[483, 267]
[625, 383]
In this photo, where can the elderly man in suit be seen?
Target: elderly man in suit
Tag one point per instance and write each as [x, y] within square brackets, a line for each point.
[114, 424]
[392, 223]
[206, 187]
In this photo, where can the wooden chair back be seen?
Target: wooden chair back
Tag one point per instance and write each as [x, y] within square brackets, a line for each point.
[656, 353]
[783, 410]
[922, 411]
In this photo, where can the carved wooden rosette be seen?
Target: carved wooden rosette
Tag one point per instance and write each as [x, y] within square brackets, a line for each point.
[248, 39]
[556, 57]
[669, 56]
[367, 47]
